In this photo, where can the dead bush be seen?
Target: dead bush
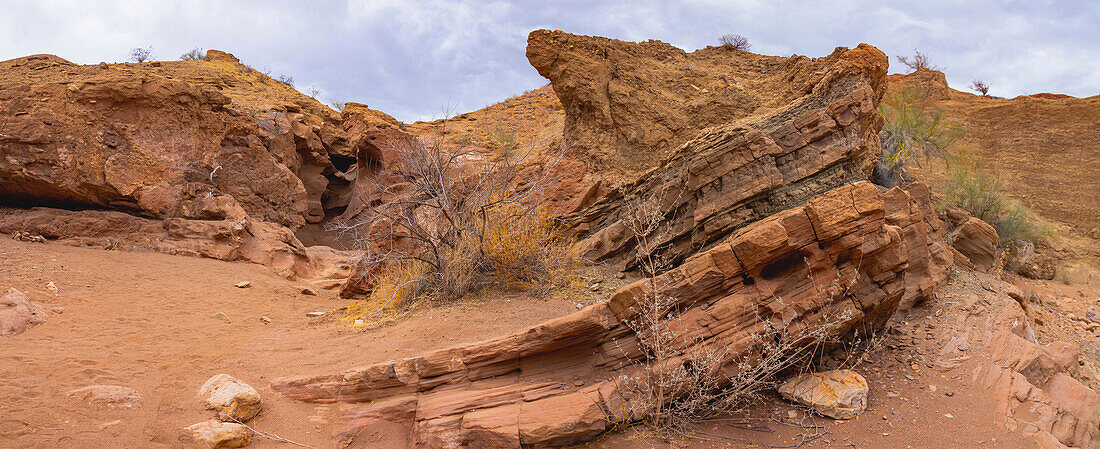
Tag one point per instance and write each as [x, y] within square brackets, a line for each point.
[286, 79]
[917, 62]
[981, 87]
[735, 41]
[141, 54]
[196, 54]
[455, 222]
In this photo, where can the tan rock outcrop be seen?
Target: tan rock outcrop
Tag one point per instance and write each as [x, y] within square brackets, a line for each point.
[549, 385]
[628, 105]
[109, 396]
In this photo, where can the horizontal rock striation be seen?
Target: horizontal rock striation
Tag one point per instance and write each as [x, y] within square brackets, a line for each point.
[848, 257]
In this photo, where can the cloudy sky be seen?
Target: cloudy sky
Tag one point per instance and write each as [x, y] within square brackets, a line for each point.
[414, 58]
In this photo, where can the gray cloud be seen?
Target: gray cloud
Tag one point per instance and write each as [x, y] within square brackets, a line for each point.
[413, 59]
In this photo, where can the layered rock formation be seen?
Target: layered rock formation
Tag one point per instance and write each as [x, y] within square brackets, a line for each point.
[554, 384]
[767, 224]
[628, 105]
[207, 158]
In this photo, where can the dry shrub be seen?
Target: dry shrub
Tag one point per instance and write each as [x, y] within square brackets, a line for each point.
[918, 61]
[457, 223]
[196, 54]
[981, 87]
[735, 41]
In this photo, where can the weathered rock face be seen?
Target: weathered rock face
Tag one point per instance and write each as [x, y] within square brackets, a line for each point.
[131, 137]
[978, 241]
[628, 105]
[549, 385]
[738, 173]
[18, 312]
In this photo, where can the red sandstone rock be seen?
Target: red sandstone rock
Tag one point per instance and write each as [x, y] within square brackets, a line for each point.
[978, 241]
[521, 389]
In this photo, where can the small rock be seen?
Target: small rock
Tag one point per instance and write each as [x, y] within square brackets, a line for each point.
[51, 287]
[232, 399]
[1092, 315]
[264, 319]
[594, 287]
[221, 316]
[838, 394]
[932, 388]
[309, 291]
[57, 310]
[360, 323]
[243, 284]
[948, 415]
[949, 393]
[315, 314]
[18, 313]
[105, 425]
[215, 434]
[109, 396]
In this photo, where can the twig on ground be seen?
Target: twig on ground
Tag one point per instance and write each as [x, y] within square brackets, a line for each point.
[272, 436]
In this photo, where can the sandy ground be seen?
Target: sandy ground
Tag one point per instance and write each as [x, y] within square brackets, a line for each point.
[144, 320]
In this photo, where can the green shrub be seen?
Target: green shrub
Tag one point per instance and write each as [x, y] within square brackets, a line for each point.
[981, 192]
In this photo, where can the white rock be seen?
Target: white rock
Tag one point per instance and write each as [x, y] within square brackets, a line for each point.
[232, 399]
[315, 314]
[243, 284]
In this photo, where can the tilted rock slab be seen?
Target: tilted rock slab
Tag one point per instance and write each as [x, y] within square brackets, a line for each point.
[848, 257]
[806, 141]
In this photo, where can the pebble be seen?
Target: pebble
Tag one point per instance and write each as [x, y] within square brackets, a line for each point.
[264, 319]
[315, 314]
[243, 284]
[221, 316]
[58, 310]
[309, 291]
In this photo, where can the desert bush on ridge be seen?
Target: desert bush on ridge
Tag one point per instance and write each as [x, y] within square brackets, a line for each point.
[981, 87]
[917, 61]
[735, 41]
[196, 54]
[454, 223]
[141, 54]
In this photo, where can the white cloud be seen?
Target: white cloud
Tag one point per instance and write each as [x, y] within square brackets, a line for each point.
[411, 58]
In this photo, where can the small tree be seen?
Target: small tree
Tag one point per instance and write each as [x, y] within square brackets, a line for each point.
[313, 91]
[917, 61]
[196, 54]
[141, 54]
[735, 41]
[913, 128]
[981, 87]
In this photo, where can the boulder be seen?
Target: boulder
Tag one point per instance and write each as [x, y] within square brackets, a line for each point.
[232, 399]
[978, 241]
[838, 394]
[109, 396]
[215, 434]
[18, 313]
